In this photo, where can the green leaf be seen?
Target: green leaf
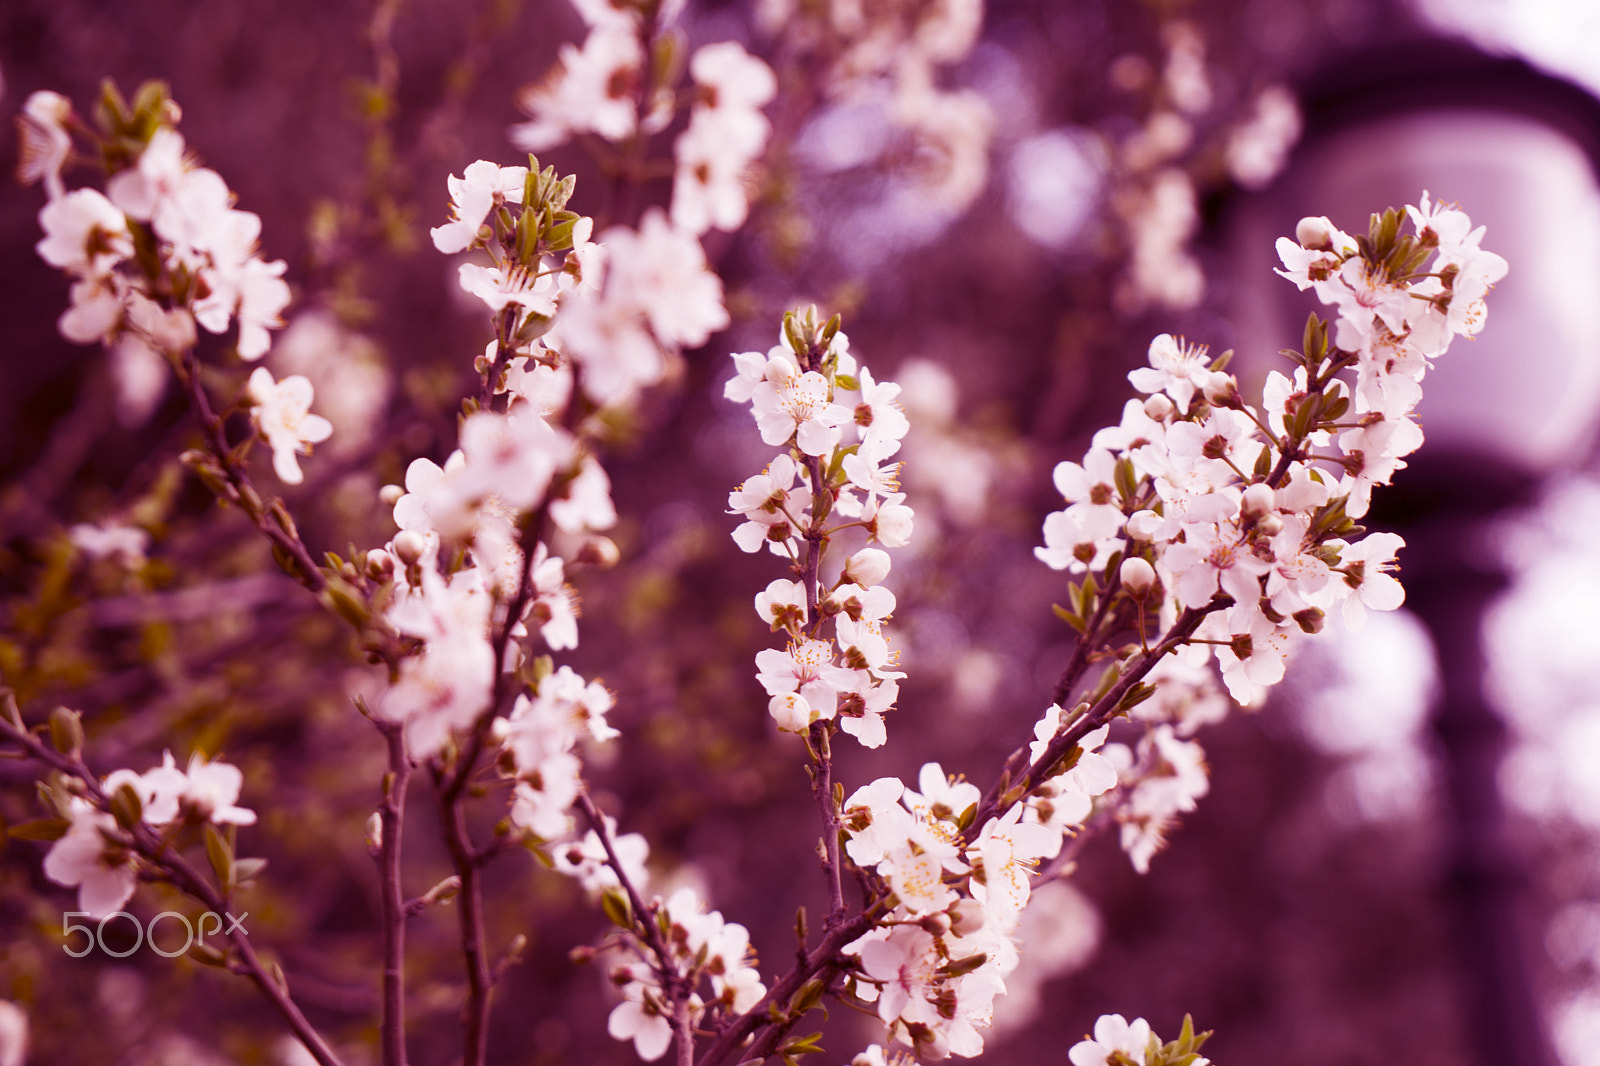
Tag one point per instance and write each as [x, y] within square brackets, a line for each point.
[219, 855]
[616, 908]
[1071, 618]
[41, 829]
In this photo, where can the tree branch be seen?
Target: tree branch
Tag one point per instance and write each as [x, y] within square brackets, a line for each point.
[394, 907]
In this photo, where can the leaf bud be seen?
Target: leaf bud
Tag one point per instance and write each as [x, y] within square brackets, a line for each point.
[375, 833]
[66, 731]
[1137, 576]
[867, 567]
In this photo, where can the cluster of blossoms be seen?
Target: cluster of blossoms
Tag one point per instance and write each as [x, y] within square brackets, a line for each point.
[96, 857]
[703, 951]
[1227, 528]
[619, 86]
[807, 393]
[1204, 527]
[162, 249]
[605, 88]
[470, 560]
[936, 961]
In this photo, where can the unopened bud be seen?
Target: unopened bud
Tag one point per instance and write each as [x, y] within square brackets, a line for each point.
[1222, 391]
[867, 567]
[1270, 524]
[1137, 576]
[1159, 407]
[937, 924]
[1314, 233]
[375, 833]
[380, 565]
[1142, 524]
[599, 552]
[966, 917]
[390, 494]
[1257, 501]
[1310, 619]
[410, 545]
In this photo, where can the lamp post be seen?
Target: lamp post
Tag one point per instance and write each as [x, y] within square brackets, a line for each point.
[1517, 149]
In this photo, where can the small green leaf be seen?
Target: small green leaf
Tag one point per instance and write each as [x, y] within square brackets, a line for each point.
[616, 908]
[219, 855]
[41, 829]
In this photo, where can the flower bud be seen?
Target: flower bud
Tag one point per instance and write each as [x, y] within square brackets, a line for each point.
[1137, 576]
[375, 833]
[1142, 524]
[867, 567]
[1270, 524]
[966, 917]
[599, 552]
[1159, 407]
[1310, 619]
[1315, 234]
[1257, 501]
[380, 565]
[937, 924]
[1222, 391]
[390, 494]
[410, 545]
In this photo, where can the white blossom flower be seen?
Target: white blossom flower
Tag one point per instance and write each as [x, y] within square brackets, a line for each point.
[1113, 1035]
[43, 142]
[84, 233]
[103, 872]
[282, 412]
[473, 195]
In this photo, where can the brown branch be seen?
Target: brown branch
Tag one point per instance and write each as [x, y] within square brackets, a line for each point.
[392, 812]
[827, 957]
[996, 802]
[475, 1012]
[674, 984]
[822, 792]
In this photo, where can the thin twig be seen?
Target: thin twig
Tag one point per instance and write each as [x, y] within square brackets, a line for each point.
[458, 839]
[392, 813]
[273, 522]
